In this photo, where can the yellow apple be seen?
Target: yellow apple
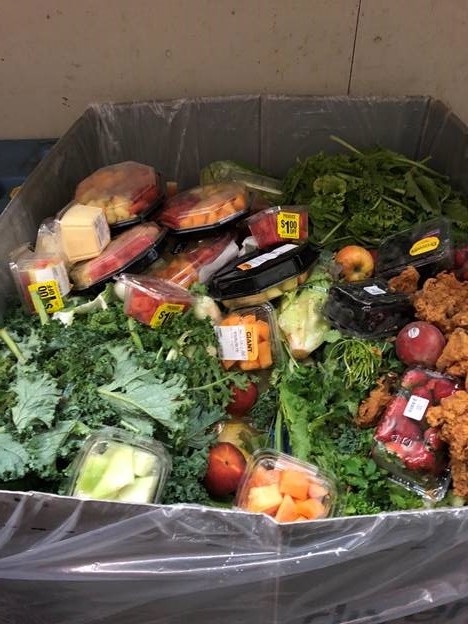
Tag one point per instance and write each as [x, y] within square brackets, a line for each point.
[356, 263]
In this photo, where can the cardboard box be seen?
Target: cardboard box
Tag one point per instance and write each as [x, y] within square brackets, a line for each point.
[85, 562]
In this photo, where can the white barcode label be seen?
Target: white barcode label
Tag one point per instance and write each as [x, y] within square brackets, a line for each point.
[232, 342]
[416, 407]
[271, 255]
[374, 290]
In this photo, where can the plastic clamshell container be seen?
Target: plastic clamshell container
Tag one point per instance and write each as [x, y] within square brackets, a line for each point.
[279, 224]
[135, 249]
[262, 275]
[199, 263]
[153, 301]
[249, 338]
[404, 443]
[128, 192]
[84, 231]
[427, 246]
[285, 488]
[367, 309]
[205, 208]
[43, 274]
[115, 465]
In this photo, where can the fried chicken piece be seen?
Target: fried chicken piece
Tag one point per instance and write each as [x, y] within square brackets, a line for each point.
[443, 301]
[452, 418]
[459, 477]
[371, 408]
[406, 282]
[454, 358]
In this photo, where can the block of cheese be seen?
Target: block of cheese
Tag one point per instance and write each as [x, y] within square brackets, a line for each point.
[84, 232]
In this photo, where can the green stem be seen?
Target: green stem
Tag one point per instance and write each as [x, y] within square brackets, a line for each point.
[218, 382]
[134, 334]
[279, 431]
[345, 144]
[330, 233]
[419, 165]
[39, 307]
[11, 344]
[129, 426]
[395, 202]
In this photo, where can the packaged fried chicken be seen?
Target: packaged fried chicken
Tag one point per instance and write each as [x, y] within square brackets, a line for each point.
[404, 442]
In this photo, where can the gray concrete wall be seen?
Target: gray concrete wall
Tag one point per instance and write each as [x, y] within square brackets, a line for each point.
[57, 56]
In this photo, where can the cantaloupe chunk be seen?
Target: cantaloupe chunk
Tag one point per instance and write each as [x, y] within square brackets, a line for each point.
[249, 319]
[317, 491]
[228, 363]
[262, 476]
[232, 319]
[185, 222]
[211, 218]
[247, 365]
[287, 511]
[198, 219]
[264, 355]
[295, 483]
[239, 202]
[311, 509]
[264, 499]
[263, 331]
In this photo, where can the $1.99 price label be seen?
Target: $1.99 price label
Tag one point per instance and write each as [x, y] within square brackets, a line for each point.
[164, 312]
[287, 224]
[49, 294]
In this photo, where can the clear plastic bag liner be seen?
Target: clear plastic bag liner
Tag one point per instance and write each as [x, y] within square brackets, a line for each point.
[84, 562]
[88, 562]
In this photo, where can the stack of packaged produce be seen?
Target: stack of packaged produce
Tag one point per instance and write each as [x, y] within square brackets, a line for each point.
[277, 346]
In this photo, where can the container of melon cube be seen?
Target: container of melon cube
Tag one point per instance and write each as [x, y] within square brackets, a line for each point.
[248, 338]
[115, 465]
[285, 488]
[205, 210]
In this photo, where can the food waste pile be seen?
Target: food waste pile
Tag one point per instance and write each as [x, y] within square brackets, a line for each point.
[294, 347]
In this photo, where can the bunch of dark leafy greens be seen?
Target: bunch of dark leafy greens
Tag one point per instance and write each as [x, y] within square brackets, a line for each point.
[63, 382]
[317, 403]
[364, 196]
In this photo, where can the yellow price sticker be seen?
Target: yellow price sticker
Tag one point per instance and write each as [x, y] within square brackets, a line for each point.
[430, 243]
[164, 312]
[287, 224]
[49, 293]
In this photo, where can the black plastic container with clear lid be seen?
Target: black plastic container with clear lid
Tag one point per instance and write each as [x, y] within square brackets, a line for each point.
[427, 246]
[368, 309]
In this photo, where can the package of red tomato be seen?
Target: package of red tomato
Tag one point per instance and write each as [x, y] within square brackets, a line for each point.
[198, 262]
[249, 338]
[279, 224]
[40, 278]
[153, 301]
[205, 209]
[128, 192]
[285, 488]
[133, 250]
[404, 442]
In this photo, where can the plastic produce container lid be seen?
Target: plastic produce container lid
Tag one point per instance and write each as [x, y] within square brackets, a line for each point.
[260, 270]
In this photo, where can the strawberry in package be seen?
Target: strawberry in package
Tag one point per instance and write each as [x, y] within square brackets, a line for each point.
[279, 224]
[405, 444]
[128, 192]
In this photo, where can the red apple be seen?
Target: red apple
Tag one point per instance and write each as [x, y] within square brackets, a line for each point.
[242, 400]
[226, 465]
[419, 343]
[356, 263]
